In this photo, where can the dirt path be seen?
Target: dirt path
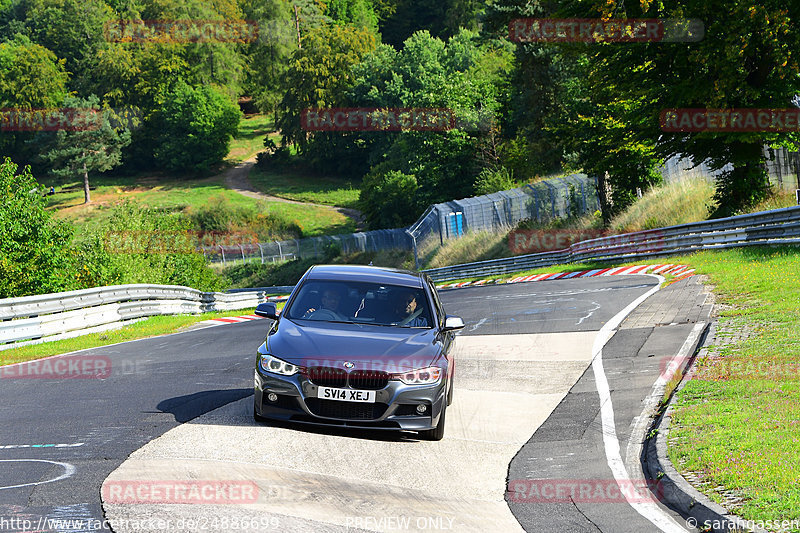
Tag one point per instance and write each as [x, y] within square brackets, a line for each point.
[236, 179]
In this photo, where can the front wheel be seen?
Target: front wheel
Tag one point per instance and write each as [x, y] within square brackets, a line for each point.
[436, 433]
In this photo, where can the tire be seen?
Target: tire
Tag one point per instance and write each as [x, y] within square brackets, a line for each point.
[436, 433]
[450, 394]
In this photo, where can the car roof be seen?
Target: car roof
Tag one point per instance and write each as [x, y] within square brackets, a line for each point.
[373, 274]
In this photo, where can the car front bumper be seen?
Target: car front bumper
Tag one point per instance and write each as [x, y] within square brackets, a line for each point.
[394, 407]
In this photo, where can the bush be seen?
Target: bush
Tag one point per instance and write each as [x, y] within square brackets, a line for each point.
[195, 126]
[34, 257]
[489, 181]
[387, 199]
[221, 219]
[142, 245]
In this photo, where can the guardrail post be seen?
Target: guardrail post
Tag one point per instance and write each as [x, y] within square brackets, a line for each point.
[414, 244]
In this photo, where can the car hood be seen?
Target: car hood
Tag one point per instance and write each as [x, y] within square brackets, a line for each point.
[367, 347]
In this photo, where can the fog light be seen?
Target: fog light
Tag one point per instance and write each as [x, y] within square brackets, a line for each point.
[421, 408]
[272, 397]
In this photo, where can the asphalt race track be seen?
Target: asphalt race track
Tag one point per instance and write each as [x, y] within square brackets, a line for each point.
[527, 408]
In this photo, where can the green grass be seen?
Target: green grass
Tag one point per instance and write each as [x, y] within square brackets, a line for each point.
[313, 220]
[150, 327]
[325, 190]
[250, 138]
[671, 204]
[157, 325]
[187, 195]
[478, 246]
[737, 423]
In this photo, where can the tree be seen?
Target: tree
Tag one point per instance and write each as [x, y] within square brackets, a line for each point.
[747, 59]
[359, 13]
[194, 126]
[267, 57]
[89, 143]
[33, 248]
[73, 29]
[31, 77]
[389, 199]
[463, 76]
[319, 74]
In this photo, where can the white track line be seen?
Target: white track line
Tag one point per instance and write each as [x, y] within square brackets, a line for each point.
[69, 470]
[650, 511]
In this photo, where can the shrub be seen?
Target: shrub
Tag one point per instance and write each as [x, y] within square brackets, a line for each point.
[34, 256]
[489, 181]
[142, 245]
[195, 126]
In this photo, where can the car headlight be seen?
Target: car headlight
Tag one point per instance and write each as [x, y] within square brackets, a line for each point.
[423, 376]
[277, 366]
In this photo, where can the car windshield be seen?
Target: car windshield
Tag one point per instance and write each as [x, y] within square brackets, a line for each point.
[362, 303]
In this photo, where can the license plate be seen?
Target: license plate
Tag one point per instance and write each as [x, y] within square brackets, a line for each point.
[346, 395]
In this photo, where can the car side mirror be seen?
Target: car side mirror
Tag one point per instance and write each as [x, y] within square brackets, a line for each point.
[452, 323]
[267, 310]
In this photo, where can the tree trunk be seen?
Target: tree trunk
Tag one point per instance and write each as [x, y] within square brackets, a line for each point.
[603, 194]
[297, 25]
[746, 184]
[87, 196]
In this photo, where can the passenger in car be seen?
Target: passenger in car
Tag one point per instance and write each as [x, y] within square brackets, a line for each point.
[409, 313]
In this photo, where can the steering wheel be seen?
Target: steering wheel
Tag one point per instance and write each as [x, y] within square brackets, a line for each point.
[325, 314]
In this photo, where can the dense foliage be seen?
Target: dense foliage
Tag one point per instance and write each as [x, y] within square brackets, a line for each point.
[520, 110]
[33, 248]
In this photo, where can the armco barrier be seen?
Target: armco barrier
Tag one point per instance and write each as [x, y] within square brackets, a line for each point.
[55, 315]
[72, 313]
[776, 227]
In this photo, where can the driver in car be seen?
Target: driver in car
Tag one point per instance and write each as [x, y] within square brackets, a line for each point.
[330, 302]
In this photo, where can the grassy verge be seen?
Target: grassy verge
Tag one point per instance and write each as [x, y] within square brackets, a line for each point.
[249, 139]
[671, 204]
[325, 190]
[736, 426]
[192, 195]
[151, 327]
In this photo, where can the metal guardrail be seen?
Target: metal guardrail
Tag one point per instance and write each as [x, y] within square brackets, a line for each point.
[54, 315]
[776, 227]
[51, 315]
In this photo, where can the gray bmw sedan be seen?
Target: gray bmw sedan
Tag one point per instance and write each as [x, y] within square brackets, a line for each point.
[358, 346]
